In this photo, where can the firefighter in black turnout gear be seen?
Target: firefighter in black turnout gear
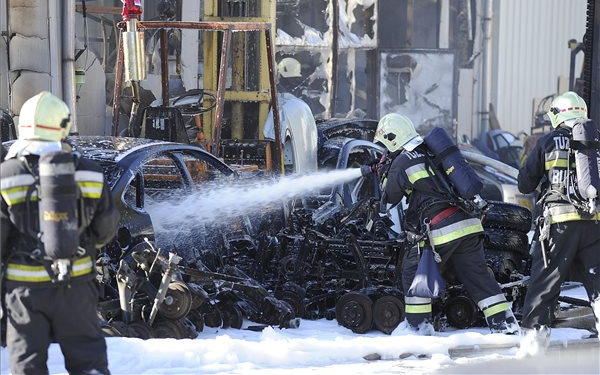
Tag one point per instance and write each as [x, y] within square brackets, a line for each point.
[56, 211]
[434, 212]
[565, 164]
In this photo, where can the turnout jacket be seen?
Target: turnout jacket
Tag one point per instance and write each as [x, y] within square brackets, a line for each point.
[97, 215]
[412, 174]
[550, 165]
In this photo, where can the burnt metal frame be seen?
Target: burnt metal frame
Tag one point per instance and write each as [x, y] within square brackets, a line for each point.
[227, 28]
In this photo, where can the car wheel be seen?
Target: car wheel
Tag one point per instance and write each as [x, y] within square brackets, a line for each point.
[354, 310]
[506, 240]
[461, 312]
[388, 312]
[504, 215]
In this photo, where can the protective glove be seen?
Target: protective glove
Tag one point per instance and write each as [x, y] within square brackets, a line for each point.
[367, 169]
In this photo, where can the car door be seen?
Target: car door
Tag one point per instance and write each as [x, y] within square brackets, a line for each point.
[355, 154]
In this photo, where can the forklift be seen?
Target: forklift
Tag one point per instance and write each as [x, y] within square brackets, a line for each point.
[228, 114]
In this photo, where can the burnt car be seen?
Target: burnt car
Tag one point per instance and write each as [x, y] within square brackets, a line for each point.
[151, 288]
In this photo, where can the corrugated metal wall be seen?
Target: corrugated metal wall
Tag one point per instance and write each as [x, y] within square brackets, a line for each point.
[3, 57]
[530, 53]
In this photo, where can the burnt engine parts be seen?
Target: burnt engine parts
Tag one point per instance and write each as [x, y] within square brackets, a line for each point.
[329, 261]
[343, 249]
[155, 296]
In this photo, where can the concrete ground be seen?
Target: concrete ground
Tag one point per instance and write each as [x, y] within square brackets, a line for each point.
[575, 359]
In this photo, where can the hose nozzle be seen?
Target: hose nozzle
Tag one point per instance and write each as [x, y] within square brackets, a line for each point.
[366, 170]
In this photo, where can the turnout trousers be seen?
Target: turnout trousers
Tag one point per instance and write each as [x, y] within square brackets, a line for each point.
[66, 314]
[573, 249]
[465, 260]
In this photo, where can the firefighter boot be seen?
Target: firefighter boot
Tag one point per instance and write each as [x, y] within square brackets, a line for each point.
[503, 322]
[498, 314]
[419, 315]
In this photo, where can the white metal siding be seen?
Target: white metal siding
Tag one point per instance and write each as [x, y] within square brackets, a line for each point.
[530, 53]
[3, 57]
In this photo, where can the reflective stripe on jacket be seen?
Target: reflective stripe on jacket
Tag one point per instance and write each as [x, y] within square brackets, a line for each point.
[566, 212]
[454, 231]
[14, 189]
[39, 274]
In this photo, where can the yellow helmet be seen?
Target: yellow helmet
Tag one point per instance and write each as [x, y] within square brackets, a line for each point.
[565, 107]
[396, 131]
[44, 117]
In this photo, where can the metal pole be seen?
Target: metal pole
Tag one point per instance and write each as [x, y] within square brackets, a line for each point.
[334, 57]
[278, 162]
[486, 64]
[55, 43]
[220, 94]
[118, 85]
[68, 61]
[164, 66]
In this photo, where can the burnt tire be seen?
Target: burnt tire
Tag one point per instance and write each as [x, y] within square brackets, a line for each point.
[355, 311]
[165, 329]
[140, 330]
[461, 312]
[388, 312]
[213, 318]
[178, 301]
[232, 315]
[506, 240]
[293, 294]
[502, 215]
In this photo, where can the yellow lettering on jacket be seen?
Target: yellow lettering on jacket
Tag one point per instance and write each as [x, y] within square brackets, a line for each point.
[56, 216]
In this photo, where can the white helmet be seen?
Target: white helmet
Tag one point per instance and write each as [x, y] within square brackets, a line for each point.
[289, 67]
[566, 107]
[396, 131]
[44, 117]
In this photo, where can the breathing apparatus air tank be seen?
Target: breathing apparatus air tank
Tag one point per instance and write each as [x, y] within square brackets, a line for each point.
[447, 156]
[586, 144]
[58, 212]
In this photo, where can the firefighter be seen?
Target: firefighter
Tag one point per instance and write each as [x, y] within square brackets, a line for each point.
[568, 231]
[454, 233]
[51, 296]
